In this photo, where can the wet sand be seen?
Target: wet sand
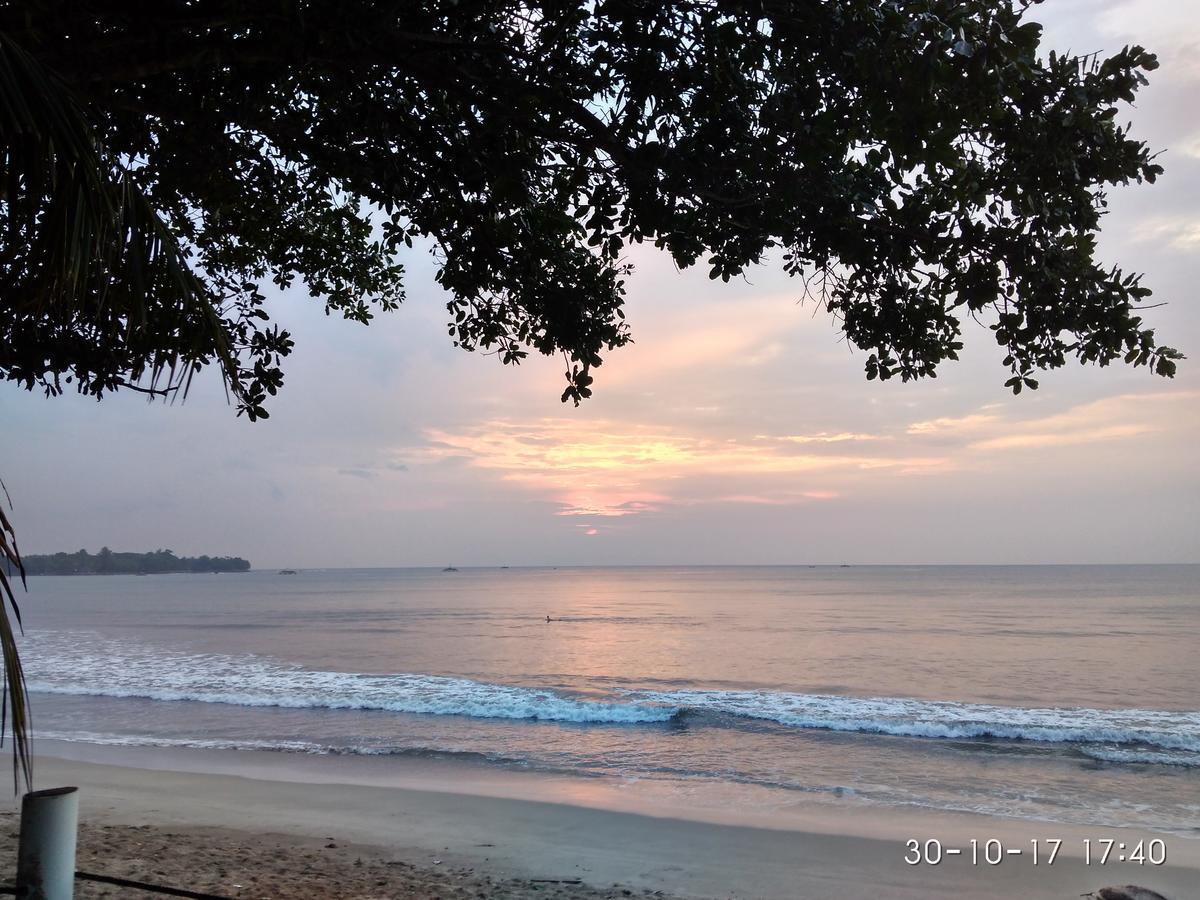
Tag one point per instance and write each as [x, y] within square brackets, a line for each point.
[261, 838]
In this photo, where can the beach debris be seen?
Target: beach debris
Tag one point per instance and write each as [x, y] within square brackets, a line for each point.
[1124, 892]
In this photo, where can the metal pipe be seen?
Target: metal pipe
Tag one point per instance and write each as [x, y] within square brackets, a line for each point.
[46, 853]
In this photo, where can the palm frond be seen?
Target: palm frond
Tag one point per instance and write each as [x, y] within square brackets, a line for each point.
[83, 249]
[15, 699]
[83, 241]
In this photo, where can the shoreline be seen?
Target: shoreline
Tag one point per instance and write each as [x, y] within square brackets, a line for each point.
[520, 825]
[711, 803]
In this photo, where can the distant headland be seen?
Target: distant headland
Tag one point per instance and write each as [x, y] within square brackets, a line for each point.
[111, 562]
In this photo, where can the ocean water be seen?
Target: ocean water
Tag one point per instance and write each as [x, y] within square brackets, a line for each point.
[1056, 693]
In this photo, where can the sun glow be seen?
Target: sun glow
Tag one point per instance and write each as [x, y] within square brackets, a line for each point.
[608, 470]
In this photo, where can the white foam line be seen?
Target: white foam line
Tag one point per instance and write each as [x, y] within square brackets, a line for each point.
[108, 668]
[949, 720]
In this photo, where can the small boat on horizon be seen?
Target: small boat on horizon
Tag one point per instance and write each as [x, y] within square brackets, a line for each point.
[449, 569]
[287, 571]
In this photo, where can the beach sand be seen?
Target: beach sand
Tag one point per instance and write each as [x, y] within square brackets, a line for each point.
[232, 863]
[269, 837]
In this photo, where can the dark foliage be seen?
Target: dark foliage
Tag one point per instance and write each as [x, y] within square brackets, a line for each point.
[108, 562]
[919, 159]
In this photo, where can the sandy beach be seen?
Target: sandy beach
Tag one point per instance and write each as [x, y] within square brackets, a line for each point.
[269, 837]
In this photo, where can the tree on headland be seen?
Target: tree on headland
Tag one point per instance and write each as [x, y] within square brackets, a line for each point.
[106, 562]
[914, 163]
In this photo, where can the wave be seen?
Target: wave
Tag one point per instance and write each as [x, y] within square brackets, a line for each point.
[1156, 736]
[110, 668]
[88, 664]
[144, 740]
[1142, 756]
[278, 745]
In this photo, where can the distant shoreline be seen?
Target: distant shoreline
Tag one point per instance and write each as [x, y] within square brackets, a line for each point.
[167, 572]
[568, 567]
[118, 562]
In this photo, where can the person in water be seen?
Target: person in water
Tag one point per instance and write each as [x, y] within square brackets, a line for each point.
[548, 619]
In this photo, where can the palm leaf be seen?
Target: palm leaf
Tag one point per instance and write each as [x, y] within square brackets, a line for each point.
[80, 242]
[15, 698]
[91, 243]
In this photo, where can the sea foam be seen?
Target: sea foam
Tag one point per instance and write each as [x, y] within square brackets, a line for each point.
[90, 664]
[1154, 730]
[98, 666]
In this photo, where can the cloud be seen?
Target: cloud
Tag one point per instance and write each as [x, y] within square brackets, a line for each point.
[585, 505]
[765, 354]
[1169, 27]
[603, 469]
[951, 425]
[1177, 232]
[368, 472]
[754, 500]
[1050, 439]
[1190, 145]
[596, 448]
[821, 437]
[784, 499]
[1113, 418]
[746, 335]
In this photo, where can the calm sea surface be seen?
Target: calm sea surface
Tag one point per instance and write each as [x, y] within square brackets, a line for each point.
[1058, 693]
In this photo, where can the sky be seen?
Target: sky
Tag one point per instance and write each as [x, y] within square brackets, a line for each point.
[738, 429]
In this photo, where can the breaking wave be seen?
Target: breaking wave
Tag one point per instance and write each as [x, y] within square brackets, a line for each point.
[61, 663]
[1142, 735]
[109, 668]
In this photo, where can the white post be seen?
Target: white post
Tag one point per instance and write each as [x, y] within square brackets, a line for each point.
[46, 854]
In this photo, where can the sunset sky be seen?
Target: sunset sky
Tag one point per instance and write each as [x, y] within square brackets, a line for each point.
[738, 429]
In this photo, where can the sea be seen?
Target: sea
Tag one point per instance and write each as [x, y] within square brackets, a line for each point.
[1052, 693]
